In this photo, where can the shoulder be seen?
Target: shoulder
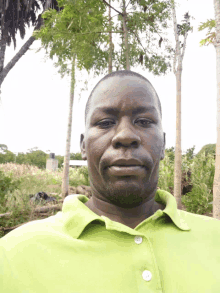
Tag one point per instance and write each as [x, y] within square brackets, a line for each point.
[201, 222]
[32, 230]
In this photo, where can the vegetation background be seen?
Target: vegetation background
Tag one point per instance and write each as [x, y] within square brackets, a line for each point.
[25, 174]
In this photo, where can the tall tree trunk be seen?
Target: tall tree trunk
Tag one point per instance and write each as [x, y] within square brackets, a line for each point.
[110, 41]
[5, 70]
[3, 36]
[126, 36]
[216, 185]
[65, 181]
[178, 73]
[178, 152]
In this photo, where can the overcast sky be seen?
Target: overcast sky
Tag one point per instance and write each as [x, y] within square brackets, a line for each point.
[35, 100]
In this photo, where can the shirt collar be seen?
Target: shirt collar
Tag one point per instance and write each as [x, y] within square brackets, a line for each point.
[76, 215]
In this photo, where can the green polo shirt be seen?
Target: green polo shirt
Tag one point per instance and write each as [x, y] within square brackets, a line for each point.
[77, 251]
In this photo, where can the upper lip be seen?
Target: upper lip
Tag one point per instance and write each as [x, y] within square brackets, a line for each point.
[128, 162]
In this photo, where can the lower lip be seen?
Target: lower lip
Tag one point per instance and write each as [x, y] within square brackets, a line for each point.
[128, 170]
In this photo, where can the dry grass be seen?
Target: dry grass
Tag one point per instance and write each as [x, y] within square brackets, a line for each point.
[33, 180]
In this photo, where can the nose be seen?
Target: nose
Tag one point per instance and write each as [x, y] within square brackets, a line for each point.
[126, 135]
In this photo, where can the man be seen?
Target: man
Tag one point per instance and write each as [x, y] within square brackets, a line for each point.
[129, 236]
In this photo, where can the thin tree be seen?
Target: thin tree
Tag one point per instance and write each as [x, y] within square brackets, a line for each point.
[138, 24]
[214, 38]
[177, 69]
[71, 35]
[14, 15]
[110, 39]
[65, 179]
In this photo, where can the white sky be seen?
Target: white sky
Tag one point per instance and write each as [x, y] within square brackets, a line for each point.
[35, 100]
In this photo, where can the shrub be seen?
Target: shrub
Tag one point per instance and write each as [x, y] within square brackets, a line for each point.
[7, 184]
[202, 177]
[79, 176]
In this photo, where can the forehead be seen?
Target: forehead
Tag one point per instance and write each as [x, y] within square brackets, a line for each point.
[124, 93]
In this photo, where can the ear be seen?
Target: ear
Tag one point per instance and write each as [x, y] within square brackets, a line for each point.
[82, 146]
[163, 149]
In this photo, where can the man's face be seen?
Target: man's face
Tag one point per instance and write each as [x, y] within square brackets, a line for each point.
[118, 127]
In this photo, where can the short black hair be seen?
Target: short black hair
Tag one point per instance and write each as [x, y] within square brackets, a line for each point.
[120, 73]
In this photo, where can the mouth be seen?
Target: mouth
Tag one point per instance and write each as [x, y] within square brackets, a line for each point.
[126, 170]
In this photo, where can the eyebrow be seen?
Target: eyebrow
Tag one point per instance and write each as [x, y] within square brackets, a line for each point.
[137, 110]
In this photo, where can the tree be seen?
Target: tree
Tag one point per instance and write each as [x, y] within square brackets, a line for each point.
[74, 35]
[65, 181]
[7, 157]
[3, 148]
[110, 40]
[76, 156]
[213, 37]
[216, 186]
[139, 21]
[14, 15]
[179, 30]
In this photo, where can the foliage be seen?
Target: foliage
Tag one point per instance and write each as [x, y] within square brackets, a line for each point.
[3, 148]
[18, 181]
[84, 171]
[146, 23]
[83, 28]
[166, 173]
[33, 157]
[76, 29]
[203, 170]
[210, 36]
[29, 179]
[23, 14]
[60, 160]
[7, 184]
[185, 27]
[190, 153]
[208, 149]
[170, 153]
[75, 156]
[7, 156]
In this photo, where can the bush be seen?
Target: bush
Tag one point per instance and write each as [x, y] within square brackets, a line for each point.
[84, 171]
[7, 184]
[197, 201]
[202, 177]
[79, 176]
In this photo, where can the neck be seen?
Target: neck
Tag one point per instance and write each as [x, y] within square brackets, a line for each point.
[130, 217]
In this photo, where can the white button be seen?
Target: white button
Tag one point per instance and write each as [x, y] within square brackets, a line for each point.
[147, 275]
[138, 239]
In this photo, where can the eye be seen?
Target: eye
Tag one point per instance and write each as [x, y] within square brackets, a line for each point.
[105, 123]
[145, 122]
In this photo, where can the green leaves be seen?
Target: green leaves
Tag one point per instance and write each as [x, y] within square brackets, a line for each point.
[210, 36]
[210, 24]
[82, 27]
[78, 29]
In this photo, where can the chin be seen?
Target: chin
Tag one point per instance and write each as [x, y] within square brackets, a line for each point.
[128, 194]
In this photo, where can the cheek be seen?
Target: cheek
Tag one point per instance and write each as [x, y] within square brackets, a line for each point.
[156, 142]
[96, 144]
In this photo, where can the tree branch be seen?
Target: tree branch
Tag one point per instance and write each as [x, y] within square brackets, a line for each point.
[136, 36]
[21, 52]
[177, 51]
[184, 45]
[112, 7]
[128, 4]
